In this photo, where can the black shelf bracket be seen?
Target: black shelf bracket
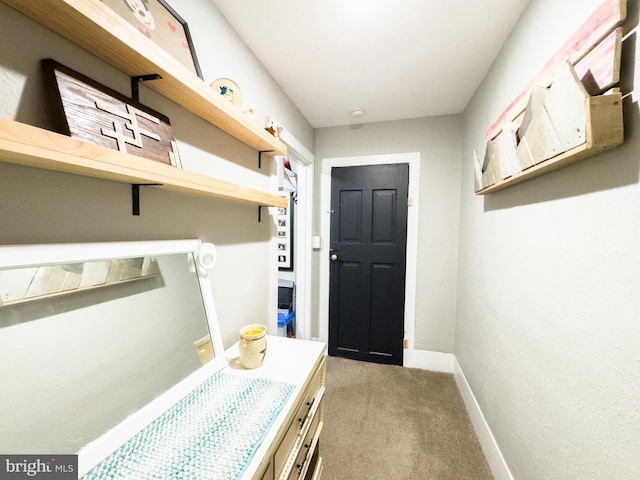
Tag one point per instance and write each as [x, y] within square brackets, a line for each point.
[260, 207]
[135, 84]
[260, 156]
[135, 195]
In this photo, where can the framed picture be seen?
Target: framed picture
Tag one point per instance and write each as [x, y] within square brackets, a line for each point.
[156, 20]
[284, 236]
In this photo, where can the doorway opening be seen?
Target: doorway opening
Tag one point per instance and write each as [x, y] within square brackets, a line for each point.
[294, 271]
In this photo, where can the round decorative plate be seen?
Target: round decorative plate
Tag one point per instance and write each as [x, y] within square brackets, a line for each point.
[229, 90]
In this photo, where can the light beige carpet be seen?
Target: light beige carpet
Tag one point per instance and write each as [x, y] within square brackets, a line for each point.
[389, 422]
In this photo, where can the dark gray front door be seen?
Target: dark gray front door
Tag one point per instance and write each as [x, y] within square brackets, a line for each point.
[368, 262]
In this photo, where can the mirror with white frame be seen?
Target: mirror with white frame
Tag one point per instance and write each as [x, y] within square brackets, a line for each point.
[91, 333]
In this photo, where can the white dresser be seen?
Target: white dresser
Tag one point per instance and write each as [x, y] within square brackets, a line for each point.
[290, 450]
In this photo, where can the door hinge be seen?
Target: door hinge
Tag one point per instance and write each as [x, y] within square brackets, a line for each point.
[409, 202]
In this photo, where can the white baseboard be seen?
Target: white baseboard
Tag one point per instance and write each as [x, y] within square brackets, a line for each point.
[490, 447]
[434, 361]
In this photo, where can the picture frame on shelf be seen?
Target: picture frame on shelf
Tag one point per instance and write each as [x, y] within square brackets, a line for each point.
[161, 24]
[284, 235]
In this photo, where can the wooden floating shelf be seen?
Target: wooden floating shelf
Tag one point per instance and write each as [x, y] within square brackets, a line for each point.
[30, 146]
[604, 130]
[568, 112]
[95, 27]
[560, 161]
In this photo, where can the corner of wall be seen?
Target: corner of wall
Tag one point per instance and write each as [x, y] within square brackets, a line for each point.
[426, 360]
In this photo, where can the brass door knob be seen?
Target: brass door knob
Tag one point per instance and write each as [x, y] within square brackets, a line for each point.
[334, 257]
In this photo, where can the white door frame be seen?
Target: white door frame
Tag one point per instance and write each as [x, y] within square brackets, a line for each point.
[302, 251]
[302, 233]
[413, 159]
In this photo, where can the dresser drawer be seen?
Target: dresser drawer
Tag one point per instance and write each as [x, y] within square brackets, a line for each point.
[268, 473]
[307, 449]
[293, 439]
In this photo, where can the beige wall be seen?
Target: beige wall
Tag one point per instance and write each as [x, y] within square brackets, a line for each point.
[38, 206]
[438, 140]
[548, 306]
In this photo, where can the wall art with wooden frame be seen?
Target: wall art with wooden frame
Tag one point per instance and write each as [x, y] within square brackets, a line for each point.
[570, 110]
[89, 111]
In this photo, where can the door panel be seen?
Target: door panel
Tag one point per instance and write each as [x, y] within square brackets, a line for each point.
[350, 220]
[381, 333]
[367, 275]
[350, 274]
[384, 206]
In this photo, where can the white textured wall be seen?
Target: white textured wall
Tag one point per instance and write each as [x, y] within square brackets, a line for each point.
[548, 308]
[38, 206]
[438, 139]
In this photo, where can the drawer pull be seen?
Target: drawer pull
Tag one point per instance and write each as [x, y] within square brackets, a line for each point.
[309, 404]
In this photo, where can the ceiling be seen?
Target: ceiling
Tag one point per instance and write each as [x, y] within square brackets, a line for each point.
[394, 59]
